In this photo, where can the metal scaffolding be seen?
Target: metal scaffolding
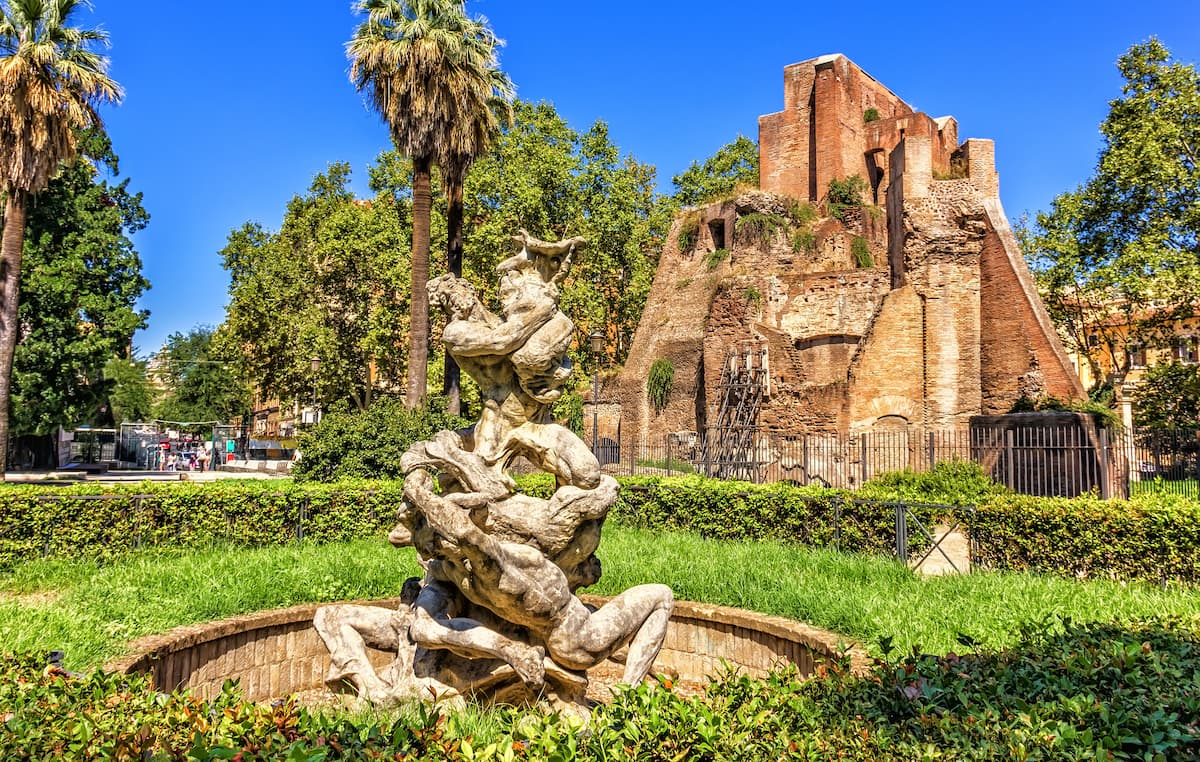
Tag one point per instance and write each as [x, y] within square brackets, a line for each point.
[731, 451]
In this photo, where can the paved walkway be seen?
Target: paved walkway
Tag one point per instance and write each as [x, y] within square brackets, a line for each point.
[123, 477]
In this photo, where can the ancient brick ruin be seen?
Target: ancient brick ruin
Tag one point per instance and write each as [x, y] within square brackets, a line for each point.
[909, 308]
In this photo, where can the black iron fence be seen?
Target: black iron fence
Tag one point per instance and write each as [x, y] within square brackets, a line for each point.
[1047, 459]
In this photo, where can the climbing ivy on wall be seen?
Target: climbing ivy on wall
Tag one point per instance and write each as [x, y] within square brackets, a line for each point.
[658, 383]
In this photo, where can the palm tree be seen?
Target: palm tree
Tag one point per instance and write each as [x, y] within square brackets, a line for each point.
[51, 83]
[429, 71]
[487, 108]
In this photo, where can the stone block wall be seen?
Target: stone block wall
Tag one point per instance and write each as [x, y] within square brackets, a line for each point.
[944, 325]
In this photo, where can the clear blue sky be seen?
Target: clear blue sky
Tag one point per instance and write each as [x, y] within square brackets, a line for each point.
[232, 106]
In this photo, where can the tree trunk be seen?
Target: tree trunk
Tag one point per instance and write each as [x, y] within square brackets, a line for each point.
[418, 344]
[451, 385]
[10, 282]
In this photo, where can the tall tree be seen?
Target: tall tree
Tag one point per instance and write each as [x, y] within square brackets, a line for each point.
[201, 381]
[331, 285]
[471, 134]
[51, 82]
[733, 165]
[429, 70]
[131, 395]
[80, 282]
[1118, 259]
[543, 176]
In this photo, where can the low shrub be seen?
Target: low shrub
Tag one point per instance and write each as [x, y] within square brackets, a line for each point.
[1153, 537]
[1066, 690]
[730, 510]
[51, 714]
[954, 482]
[367, 444]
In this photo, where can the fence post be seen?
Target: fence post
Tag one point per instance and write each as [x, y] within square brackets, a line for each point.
[300, 519]
[1105, 474]
[862, 458]
[808, 474]
[837, 523]
[901, 533]
[932, 452]
[1010, 481]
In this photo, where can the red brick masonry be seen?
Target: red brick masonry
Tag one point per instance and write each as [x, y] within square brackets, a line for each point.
[276, 653]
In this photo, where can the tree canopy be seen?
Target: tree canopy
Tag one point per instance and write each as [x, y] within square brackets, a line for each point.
[733, 165]
[544, 176]
[1118, 259]
[1168, 396]
[201, 381]
[331, 284]
[80, 283]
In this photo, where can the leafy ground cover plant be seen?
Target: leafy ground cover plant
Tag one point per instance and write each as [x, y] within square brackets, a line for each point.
[1064, 691]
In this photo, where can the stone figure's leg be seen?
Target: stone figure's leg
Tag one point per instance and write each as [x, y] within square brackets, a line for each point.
[348, 630]
[434, 627]
[637, 617]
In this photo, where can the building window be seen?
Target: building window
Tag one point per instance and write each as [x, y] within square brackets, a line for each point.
[1137, 356]
[1189, 350]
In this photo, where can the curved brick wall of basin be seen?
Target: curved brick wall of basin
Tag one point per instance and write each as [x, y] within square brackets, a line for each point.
[277, 653]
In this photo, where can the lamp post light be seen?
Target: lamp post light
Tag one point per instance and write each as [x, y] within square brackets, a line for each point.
[315, 364]
[597, 339]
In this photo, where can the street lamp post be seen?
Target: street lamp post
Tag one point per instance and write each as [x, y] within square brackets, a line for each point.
[597, 339]
[315, 364]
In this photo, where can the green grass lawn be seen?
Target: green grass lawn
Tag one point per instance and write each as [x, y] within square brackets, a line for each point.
[92, 612]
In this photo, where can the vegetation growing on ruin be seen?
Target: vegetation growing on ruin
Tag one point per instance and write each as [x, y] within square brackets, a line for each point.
[844, 194]
[754, 297]
[714, 258]
[689, 232]
[871, 115]
[760, 227]
[801, 213]
[658, 383]
[804, 240]
[860, 250]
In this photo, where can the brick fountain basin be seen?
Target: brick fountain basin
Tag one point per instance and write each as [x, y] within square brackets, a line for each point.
[277, 653]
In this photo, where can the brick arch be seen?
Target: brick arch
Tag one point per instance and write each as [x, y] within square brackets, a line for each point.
[888, 406]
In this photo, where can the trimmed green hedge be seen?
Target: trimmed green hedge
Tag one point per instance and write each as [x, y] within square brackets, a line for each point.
[730, 510]
[1065, 691]
[103, 521]
[1152, 537]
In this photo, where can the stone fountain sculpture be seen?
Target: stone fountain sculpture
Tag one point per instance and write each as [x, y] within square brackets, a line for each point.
[495, 616]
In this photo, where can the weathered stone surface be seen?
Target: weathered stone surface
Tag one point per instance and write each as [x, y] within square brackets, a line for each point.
[941, 324]
[496, 615]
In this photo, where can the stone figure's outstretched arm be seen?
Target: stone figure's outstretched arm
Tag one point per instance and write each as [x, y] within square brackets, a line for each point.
[474, 339]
